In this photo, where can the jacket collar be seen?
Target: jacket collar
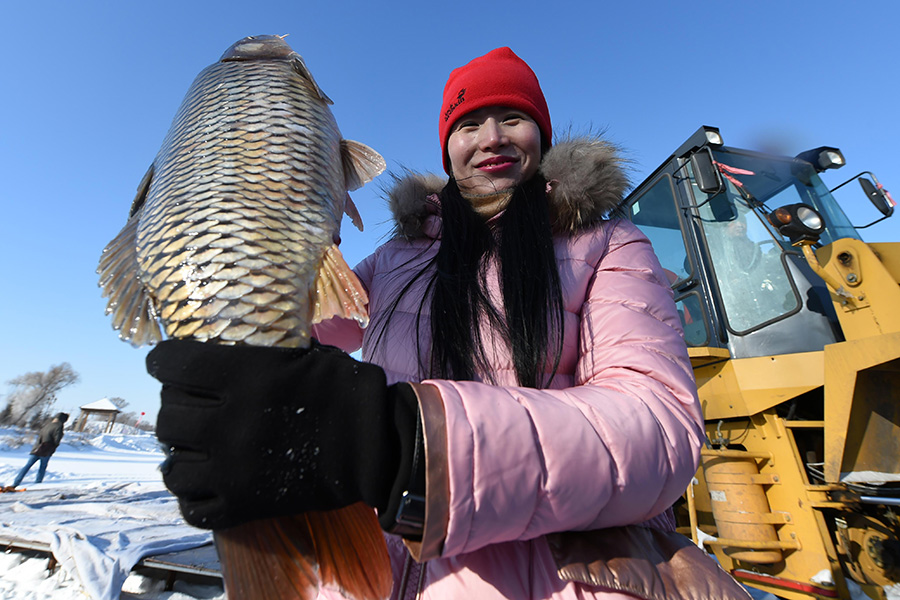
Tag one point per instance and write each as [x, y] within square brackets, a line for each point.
[586, 180]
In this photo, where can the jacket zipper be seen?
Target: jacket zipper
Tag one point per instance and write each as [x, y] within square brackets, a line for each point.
[410, 565]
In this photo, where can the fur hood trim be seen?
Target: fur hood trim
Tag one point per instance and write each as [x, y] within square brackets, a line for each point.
[586, 178]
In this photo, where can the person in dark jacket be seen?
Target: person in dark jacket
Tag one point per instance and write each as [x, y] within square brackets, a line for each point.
[48, 441]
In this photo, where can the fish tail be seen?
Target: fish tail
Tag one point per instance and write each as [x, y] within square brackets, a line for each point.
[288, 557]
[351, 552]
[269, 558]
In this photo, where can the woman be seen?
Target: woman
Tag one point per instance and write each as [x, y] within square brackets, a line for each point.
[508, 439]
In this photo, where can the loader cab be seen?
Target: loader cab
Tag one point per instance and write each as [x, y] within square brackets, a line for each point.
[739, 284]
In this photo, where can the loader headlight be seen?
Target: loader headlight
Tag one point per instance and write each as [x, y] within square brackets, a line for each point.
[824, 157]
[713, 136]
[810, 218]
[831, 159]
[798, 222]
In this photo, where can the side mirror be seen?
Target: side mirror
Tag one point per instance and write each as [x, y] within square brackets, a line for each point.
[878, 196]
[706, 175]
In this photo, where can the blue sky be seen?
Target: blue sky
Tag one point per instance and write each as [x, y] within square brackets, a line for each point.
[89, 89]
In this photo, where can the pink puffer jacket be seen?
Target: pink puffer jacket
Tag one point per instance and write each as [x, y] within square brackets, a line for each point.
[614, 441]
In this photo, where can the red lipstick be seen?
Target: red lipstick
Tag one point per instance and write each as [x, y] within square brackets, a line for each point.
[496, 163]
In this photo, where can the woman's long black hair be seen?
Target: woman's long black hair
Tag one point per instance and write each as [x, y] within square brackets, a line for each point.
[530, 318]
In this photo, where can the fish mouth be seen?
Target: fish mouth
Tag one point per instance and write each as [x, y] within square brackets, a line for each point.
[258, 47]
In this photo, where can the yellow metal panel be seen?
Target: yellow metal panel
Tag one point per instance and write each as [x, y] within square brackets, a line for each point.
[707, 355]
[862, 406]
[867, 304]
[889, 255]
[747, 386]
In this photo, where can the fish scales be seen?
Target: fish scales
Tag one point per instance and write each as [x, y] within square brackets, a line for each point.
[308, 225]
[252, 167]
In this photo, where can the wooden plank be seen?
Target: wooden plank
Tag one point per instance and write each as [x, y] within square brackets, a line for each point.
[201, 560]
[17, 543]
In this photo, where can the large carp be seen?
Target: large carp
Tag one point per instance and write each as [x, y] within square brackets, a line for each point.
[232, 238]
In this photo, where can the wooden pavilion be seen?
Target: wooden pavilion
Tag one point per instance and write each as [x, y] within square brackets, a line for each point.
[103, 408]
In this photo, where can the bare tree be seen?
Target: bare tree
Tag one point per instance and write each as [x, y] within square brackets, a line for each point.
[119, 402]
[34, 393]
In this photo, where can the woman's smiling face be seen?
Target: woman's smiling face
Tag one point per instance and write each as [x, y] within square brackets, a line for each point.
[493, 148]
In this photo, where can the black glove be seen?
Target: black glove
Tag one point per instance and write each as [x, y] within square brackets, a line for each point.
[254, 432]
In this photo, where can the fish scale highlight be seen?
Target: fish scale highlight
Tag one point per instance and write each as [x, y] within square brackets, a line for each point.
[231, 239]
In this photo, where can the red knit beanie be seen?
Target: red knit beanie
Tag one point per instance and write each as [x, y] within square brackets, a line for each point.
[499, 78]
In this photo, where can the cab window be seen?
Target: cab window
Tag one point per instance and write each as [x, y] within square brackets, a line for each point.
[655, 212]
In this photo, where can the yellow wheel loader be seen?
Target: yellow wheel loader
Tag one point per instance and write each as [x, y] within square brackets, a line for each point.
[793, 328]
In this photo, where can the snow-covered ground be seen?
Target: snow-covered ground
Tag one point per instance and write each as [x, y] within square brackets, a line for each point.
[101, 507]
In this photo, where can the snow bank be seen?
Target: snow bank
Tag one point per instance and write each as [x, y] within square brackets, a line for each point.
[101, 508]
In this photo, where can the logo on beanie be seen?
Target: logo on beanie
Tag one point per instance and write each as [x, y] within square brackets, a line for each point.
[460, 98]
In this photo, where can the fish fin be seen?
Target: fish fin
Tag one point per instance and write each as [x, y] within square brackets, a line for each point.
[361, 163]
[351, 211]
[351, 552]
[301, 68]
[338, 291]
[131, 307]
[269, 558]
[143, 187]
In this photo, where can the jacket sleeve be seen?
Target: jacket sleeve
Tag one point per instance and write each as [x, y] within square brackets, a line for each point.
[617, 448]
